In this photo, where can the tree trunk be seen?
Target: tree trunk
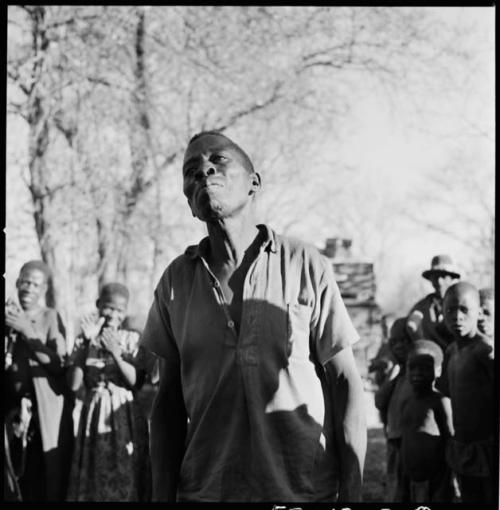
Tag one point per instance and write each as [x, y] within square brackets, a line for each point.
[38, 141]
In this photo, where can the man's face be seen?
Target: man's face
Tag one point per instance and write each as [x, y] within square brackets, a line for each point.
[441, 282]
[487, 317]
[215, 180]
[31, 286]
[113, 307]
[461, 313]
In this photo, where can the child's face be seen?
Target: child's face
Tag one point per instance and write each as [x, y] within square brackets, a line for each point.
[487, 317]
[421, 370]
[399, 348]
[31, 286]
[461, 313]
[113, 307]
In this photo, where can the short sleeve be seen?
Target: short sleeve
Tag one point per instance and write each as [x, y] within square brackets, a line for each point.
[129, 342]
[486, 357]
[157, 336]
[332, 329]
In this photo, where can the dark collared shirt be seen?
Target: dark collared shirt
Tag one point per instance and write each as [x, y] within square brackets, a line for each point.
[425, 320]
[260, 427]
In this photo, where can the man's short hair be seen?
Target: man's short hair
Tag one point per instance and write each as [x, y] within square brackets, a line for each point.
[247, 163]
[461, 288]
[428, 347]
[112, 289]
[37, 265]
[486, 293]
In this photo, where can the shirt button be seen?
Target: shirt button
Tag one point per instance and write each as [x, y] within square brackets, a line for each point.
[230, 324]
[216, 283]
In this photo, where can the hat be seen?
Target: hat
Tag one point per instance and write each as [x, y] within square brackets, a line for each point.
[441, 264]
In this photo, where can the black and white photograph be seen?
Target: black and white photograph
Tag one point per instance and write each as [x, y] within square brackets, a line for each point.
[314, 182]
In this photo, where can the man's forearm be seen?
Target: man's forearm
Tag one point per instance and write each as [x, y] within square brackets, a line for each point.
[353, 442]
[347, 395]
[167, 442]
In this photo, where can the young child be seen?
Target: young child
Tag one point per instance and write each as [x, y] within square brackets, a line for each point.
[38, 413]
[487, 313]
[469, 382]
[426, 427]
[111, 453]
[388, 401]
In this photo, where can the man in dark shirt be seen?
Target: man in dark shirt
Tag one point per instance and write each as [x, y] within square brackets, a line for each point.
[259, 396]
[425, 319]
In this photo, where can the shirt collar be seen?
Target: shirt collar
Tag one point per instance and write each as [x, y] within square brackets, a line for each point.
[200, 250]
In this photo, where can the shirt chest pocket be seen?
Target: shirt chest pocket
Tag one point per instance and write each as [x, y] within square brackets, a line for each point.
[298, 331]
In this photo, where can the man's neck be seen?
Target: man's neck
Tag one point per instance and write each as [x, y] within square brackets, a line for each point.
[229, 240]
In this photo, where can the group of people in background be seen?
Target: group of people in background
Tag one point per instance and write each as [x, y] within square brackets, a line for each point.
[74, 429]
[435, 378]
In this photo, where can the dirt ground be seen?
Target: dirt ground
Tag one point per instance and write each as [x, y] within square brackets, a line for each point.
[375, 463]
[373, 483]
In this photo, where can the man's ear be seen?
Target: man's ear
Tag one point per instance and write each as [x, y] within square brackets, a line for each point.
[256, 183]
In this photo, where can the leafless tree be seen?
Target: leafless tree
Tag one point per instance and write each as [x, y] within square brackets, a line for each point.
[111, 94]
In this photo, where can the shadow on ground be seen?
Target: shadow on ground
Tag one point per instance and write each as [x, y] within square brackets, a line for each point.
[375, 464]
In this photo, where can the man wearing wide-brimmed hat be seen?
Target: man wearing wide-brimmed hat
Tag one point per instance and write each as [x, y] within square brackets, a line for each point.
[425, 319]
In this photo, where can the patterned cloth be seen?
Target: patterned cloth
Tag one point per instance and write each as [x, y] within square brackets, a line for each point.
[110, 460]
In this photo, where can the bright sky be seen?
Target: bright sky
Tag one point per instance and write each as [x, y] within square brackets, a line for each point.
[390, 152]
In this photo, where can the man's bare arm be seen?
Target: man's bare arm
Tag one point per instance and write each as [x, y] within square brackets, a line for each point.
[168, 433]
[346, 387]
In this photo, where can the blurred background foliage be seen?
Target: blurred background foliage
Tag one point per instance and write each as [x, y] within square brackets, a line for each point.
[101, 101]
